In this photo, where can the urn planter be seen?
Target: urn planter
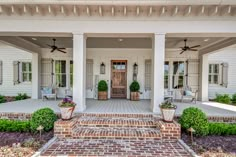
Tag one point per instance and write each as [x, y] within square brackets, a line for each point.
[102, 95]
[168, 111]
[134, 96]
[67, 108]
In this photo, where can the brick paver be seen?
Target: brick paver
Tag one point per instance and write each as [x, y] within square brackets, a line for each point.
[118, 148]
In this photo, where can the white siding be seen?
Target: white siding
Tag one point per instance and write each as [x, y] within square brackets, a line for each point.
[9, 54]
[226, 55]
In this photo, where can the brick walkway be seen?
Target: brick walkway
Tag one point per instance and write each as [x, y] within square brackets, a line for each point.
[121, 148]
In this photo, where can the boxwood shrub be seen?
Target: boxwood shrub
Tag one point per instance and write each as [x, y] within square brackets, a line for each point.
[14, 125]
[45, 117]
[223, 98]
[102, 86]
[195, 118]
[2, 99]
[134, 86]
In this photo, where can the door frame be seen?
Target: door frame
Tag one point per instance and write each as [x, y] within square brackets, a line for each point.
[119, 60]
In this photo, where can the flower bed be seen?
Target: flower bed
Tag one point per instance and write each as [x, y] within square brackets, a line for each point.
[22, 144]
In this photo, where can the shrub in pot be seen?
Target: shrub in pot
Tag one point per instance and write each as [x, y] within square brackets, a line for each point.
[195, 118]
[67, 108]
[102, 90]
[134, 91]
[168, 111]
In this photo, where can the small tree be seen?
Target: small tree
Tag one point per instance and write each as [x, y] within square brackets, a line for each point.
[102, 86]
[134, 87]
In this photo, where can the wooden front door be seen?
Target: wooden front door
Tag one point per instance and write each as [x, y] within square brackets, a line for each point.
[118, 78]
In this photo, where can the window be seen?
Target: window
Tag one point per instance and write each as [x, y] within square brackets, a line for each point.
[148, 67]
[60, 73]
[71, 73]
[89, 74]
[166, 74]
[213, 74]
[178, 74]
[26, 72]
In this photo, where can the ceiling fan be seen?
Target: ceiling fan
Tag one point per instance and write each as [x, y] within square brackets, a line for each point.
[54, 47]
[187, 48]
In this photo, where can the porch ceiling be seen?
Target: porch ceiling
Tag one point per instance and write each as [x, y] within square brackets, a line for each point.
[123, 42]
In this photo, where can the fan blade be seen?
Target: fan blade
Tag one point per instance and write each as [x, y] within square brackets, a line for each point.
[61, 51]
[193, 49]
[181, 52]
[195, 46]
[53, 49]
[62, 48]
[49, 45]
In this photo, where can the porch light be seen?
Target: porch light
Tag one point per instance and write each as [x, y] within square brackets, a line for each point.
[102, 68]
[135, 68]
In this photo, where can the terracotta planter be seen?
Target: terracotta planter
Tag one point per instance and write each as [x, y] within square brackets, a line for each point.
[66, 112]
[168, 114]
[102, 95]
[134, 96]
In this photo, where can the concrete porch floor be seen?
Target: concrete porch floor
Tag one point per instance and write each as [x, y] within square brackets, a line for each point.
[117, 106]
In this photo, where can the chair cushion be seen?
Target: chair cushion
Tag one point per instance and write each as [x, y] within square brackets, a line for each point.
[188, 93]
[47, 90]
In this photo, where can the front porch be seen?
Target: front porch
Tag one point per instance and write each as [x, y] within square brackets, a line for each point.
[28, 106]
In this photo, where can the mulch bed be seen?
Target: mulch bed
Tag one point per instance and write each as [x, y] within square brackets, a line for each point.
[22, 144]
[212, 146]
[10, 98]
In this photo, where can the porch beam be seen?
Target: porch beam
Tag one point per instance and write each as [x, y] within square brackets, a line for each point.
[158, 71]
[218, 45]
[21, 44]
[79, 71]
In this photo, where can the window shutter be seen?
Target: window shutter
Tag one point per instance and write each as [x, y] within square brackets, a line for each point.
[148, 69]
[46, 72]
[192, 73]
[16, 72]
[89, 74]
[225, 67]
[1, 74]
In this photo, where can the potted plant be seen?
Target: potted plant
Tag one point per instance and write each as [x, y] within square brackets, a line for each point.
[134, 91]
[102, 90]
[67, 107]
[168, 111]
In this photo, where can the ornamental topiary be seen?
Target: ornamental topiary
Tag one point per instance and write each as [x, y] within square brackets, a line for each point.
[195, 118]
[45, 117]
[134, 87]
[102, 86]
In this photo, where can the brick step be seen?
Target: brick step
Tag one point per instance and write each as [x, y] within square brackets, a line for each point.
[116, 133]
[116, 122]
[117, 115]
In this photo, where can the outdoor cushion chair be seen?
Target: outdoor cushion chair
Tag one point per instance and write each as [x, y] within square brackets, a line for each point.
[188, 93]
[169, 95]
[68, 93]
[49, 92]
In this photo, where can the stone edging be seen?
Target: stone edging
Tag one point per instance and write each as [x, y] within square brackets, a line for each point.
[187, 148]
[49, 143]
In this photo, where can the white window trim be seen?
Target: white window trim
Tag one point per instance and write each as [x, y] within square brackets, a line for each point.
[219, 75]
[21, 72]
[54, 72]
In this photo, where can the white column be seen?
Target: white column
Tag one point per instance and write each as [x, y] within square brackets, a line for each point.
[158, 71]
[35, 76]
[79, 71]
[203, 92]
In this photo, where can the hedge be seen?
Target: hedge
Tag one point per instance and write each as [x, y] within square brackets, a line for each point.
[14, 126]
[222, 129]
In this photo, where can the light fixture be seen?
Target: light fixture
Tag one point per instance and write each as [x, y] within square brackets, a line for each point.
[135, 68]
[120, 39]
[34, 38]
[102, 68]
[207, 39]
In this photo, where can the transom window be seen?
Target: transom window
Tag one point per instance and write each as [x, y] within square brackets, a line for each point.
[213, 74]
[26, 72]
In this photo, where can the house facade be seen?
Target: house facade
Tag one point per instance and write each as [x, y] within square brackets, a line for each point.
[107, 40]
